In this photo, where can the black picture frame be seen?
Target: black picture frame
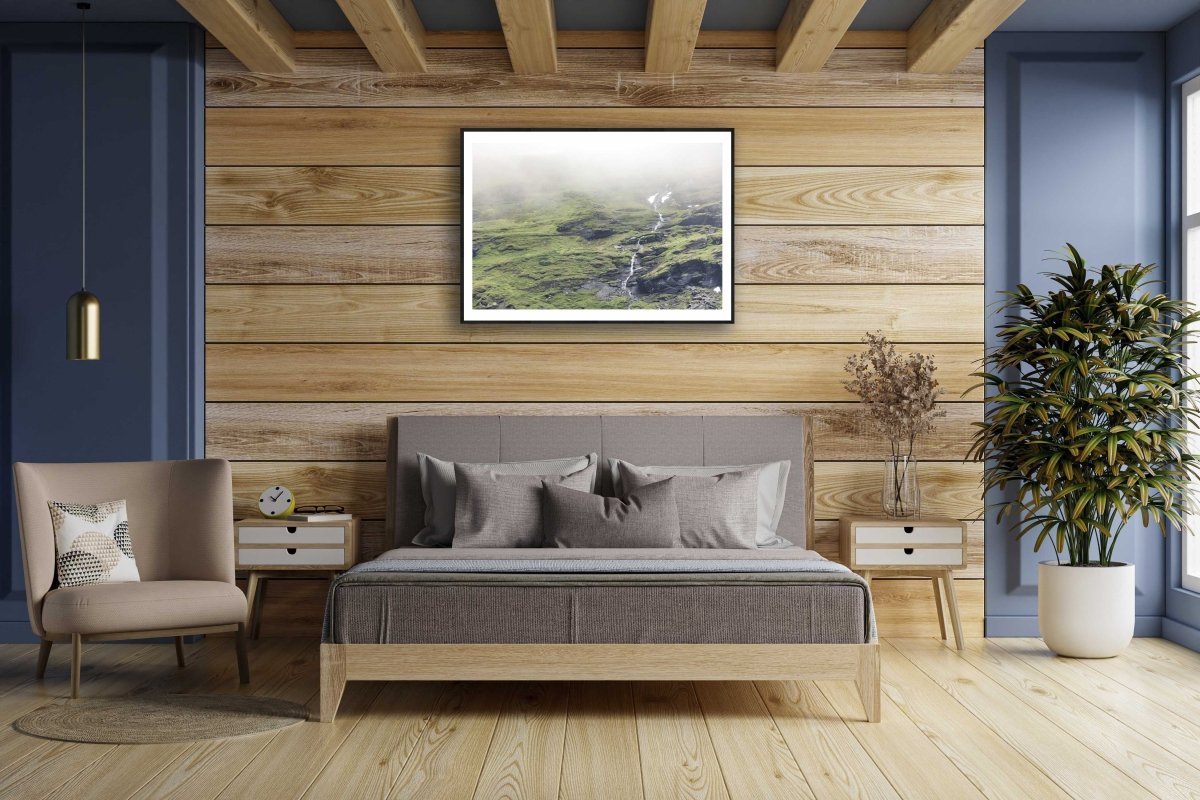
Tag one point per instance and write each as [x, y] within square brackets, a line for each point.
[467, 315]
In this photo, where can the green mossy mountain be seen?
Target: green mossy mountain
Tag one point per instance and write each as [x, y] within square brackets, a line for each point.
[571, 249]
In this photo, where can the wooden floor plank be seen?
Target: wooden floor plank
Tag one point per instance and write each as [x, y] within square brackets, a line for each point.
[912, 762]
[369, 761]
[678, 760]
[126, 770]
[525, 757]
[114, 669]
[600, 755]
[200, 771]
[832, 760]
[1154, 767]
[294, 758]
[997, 769]
[1004, 719]
[1161, 723]
[1074, 767]
[754, 757]
[68, 769]
[450, 752]
[1152, 680]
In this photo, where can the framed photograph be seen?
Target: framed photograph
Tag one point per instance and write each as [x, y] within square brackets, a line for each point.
[597, 225]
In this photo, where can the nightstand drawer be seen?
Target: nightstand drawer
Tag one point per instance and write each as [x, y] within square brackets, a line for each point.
[291, 557]
[290, 535]
[904, 556]
[908, 535]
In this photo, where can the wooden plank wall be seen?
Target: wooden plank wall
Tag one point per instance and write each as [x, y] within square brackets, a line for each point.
[332, 268]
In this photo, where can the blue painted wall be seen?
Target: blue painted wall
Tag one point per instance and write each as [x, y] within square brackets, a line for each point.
[1182, 622]
[144, 399]
[1074, 152]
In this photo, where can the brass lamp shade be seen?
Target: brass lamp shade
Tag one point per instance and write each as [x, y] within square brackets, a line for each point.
[83, 326]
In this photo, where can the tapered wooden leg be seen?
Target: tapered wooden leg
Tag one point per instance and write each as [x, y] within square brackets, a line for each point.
[43, 657]
[261, 603]
[243, 661]
[333, 680]
[952, 601]
[179, 657]
[937, 599]
[868, 682]
[251, 598]
[76, 663]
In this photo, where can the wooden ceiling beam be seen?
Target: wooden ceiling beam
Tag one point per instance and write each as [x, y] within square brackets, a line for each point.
[253, 30]
[672, 27]
[809, 32]
[948, 30]
[391, 30]
[530, 35]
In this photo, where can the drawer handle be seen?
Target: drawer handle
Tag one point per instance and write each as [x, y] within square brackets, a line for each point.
[291, 528]
[907, 529]
[292, 551]
[908, 551]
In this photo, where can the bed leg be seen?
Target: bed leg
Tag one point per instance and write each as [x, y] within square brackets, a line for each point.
[868, 681]
[333, 679]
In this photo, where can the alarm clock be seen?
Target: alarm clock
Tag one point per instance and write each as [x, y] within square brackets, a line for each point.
[276, 502]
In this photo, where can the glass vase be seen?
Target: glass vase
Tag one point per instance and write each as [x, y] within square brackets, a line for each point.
[901, 488]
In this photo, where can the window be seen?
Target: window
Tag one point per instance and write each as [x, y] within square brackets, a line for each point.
[1191, 285]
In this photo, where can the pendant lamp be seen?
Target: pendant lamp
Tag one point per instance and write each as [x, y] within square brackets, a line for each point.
[83, 307]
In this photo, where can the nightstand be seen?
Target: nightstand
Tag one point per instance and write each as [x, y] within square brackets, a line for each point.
[278, 548]
[925, 548]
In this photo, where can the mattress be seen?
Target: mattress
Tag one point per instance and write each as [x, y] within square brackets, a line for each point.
[559, 596]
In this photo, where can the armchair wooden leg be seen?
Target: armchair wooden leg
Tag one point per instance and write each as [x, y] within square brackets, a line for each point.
[43, 657]
[243, 662]
[76, 663]
[179, 657]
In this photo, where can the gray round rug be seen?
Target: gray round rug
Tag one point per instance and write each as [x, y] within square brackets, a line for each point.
[160, 718]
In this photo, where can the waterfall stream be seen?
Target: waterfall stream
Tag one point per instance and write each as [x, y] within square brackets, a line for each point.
[656, 201]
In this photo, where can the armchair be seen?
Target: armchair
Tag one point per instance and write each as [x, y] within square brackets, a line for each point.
[181, 523]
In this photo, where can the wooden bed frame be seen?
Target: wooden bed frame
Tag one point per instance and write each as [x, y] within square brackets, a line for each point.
[599, 662]
[589, 662]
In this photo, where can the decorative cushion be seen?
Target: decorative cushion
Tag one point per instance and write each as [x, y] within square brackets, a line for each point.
[438, 489]
[647, 517]
[772, 491]
[504, 510]
[92, 543]
[718, 511]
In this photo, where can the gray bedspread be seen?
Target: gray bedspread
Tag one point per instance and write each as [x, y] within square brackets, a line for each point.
[546, 595]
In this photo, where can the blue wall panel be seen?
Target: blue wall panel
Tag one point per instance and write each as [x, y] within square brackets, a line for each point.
[144, 398]
[1074, 152]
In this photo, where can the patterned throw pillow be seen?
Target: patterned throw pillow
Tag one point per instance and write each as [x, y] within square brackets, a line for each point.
[93, 543]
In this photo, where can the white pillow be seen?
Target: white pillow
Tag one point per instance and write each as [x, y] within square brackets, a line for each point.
[772, 488]
[92, 543]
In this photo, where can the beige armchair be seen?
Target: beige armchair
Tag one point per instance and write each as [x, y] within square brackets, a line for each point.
[181, 524]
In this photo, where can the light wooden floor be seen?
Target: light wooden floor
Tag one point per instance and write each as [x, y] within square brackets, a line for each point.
[1003, 720]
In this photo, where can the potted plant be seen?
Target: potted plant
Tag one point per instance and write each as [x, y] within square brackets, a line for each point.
[898, 394]
[1088, 425]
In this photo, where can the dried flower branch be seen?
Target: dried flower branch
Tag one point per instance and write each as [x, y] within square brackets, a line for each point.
[898, 392]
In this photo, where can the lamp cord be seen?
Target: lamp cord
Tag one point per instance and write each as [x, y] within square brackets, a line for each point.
[83, 146]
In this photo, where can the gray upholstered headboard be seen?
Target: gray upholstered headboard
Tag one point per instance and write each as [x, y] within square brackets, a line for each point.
[660, 440]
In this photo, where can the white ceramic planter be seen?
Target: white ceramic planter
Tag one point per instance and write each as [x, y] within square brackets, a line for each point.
[1086, 612]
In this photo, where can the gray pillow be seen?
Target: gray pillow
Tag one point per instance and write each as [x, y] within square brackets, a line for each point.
[648, 517]
[718, 511]
[503, 510]
[772, 490]
[438, 489]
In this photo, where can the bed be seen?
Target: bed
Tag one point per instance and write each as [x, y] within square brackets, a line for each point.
[599, 614]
